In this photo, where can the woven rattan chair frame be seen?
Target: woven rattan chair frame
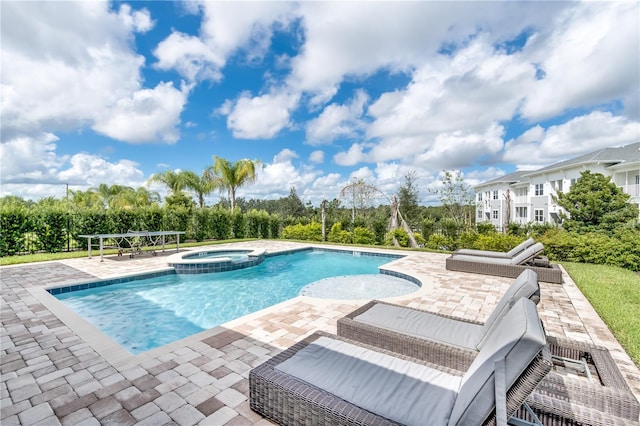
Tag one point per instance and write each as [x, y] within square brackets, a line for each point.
[551, 274]
[289, 401]
[612, 395]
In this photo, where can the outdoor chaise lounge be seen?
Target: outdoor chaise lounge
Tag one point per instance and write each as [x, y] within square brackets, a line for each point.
[390, 326]
[507, 267]
[329, 380]
[455, 343]
[499, 254]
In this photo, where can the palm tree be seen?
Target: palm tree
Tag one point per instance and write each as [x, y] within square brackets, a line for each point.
[175, 181]
[201, 185]
[111, 194]
[231, 176]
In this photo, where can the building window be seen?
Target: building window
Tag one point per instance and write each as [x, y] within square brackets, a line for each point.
[559, 185]
[538, 215]
[495, 214]
[521, 212]
[479, 215]
[479, 196]
[495, 195]
[539, 189]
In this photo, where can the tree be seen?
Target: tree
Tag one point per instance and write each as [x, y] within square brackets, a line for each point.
[202, 185]
[175, 181]
[231, 176]
[360, 194]
[595, 203]
[408, 199]
[456, 197]
[292, 205]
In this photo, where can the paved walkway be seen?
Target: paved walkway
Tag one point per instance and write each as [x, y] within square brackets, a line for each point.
[57, 369]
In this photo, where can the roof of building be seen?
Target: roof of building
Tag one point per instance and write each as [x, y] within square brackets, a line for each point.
[510, 178]
[615, 155]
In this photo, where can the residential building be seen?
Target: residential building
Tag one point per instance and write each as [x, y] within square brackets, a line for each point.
[527, 196]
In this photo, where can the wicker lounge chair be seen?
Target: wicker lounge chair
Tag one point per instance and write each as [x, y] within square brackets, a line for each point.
[499, 254]
[454, 343]
[508, 267]
[329, 380]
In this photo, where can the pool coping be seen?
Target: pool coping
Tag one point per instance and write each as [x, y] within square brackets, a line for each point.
[120, 357]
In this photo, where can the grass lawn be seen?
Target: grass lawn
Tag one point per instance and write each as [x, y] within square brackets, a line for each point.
[615, 294]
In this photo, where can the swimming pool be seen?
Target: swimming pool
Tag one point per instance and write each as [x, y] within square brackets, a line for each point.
[147, 313]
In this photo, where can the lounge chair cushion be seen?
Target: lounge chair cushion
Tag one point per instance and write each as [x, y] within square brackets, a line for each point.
[506, 255]
[518, 339]
[519, 259]
[394, 388]
[527, 286]
[424, 325]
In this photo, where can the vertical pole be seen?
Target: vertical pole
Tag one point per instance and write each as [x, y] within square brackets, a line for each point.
[324, 220]
[68, 221]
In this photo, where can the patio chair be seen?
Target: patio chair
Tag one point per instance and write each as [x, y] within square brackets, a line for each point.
[499, 254]
[507, 267]
[455, 343]
[329, 380]
[390, 326]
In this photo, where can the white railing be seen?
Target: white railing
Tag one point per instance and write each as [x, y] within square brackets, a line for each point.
[633, 190]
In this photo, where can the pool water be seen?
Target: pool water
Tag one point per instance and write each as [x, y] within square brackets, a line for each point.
[151, 312]
[233, 255]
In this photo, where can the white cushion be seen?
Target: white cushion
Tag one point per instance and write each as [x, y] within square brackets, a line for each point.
[397, 389]
[423, 324]
[518, 339]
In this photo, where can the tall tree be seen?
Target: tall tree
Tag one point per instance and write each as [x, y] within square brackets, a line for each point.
[408, 199]
[232, 175]
[360, 194]
[594, 202]
[292, 205]
[456, 197]
[202, 185]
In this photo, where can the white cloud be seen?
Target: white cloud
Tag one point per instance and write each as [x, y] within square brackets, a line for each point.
[226, 28]
[274, 180]
[259, 117]
[190, 56]
[353, 156]
[284, 156]
[148, 115]
[337, 121]
[67, 64]
[95, 170]
[32, 169]
[316, 156]
[345, 39]
[570, 139]
[591, 57]
[28, 160]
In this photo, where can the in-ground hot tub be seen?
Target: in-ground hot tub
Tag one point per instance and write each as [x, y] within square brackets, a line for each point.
[215, 260]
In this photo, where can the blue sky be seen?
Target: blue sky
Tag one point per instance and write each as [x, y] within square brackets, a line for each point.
[320, 93]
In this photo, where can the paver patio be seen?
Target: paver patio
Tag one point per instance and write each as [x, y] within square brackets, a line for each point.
[57, 369]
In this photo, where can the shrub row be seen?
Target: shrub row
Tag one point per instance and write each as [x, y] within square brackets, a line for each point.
[52, 229]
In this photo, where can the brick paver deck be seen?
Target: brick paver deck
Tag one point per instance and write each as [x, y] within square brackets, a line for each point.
[57, 369]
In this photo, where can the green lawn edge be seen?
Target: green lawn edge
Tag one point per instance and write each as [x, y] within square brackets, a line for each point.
[615, 295]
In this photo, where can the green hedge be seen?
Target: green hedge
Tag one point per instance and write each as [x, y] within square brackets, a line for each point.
[621, 249]
[54, 229]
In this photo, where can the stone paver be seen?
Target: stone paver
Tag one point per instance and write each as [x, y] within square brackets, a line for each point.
[54, 372]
